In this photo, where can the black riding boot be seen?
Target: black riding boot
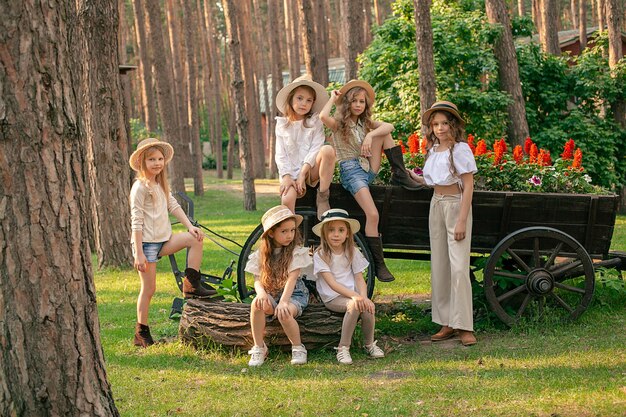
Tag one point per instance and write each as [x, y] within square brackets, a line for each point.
[142, 336]
[192, 285]
[376, 248]
[399, 176]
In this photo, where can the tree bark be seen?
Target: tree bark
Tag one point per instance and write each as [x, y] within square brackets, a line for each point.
[164, 85]
[273, 19]
[309, 39]
[521, 7]
[232, 15]
[425, 60]
[574, 11]
[549, 34]
[601, 15]
[191, 25]
[149, 110]
[352, 21]
[293, 40]
[228, 324]
[508, 72]
[261, 53]
[51, 360]
[321, 31]
[537, 19]
[614, 18]
[582, 24]
[367, 23]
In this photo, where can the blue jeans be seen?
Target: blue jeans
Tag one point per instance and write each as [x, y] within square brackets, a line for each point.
[353, 177]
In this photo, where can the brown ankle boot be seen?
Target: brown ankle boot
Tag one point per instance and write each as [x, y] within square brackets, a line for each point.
[192, 285]
[322, 203]
[142, 336]
[376, 248]
[399, 176]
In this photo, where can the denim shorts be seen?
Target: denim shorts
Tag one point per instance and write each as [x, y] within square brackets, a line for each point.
[353, 177]
[150, 250]
[299, 298]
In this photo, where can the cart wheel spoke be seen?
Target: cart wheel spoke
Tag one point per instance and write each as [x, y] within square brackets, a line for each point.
[569, 288]
[506, 274]
[523, 306]
[519, 260]
[536, 253]
[553, 255]
[565, 269]
[542, 304]
[562, 303]
[511, 293]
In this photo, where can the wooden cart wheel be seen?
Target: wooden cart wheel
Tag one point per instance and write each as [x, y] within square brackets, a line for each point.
[245, 281]
[538, 271]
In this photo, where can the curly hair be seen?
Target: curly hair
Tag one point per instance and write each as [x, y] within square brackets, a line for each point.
[291, 113]
[457, 131]
[275, 267]
[343, 113]
[324, 248]
[161, 177]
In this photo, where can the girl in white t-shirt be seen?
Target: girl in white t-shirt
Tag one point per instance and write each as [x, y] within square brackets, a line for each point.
[450, 169]
[338, 267]
[301, 156]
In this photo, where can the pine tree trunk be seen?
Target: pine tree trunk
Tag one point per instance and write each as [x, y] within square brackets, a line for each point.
[51, 360]
[425, 62]
[549, 35]
[537, 18]
[233, 16]
[103, 124]
[614, 19]
[508, 72]
[574, 11]
[601, 15]
[262, 51]
[164, 85]
[352, 21]
[293, 39]
[321, 31]
[273, 19]
[367, 23]
[145, 70]
[582, 24]
[307, 30]
[521, 7]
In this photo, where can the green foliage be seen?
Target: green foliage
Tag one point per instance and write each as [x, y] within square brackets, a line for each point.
[139, 131]
[228, 289]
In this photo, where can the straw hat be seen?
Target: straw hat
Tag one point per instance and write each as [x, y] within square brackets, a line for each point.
[276, 215]
[321, 95]
[359, 83]
[336, 214]
[445, 106]
[135, 158]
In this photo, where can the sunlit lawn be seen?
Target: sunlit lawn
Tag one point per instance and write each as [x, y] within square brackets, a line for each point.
[540, 369]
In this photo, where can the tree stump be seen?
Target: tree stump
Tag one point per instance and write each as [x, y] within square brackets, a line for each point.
[206, 322]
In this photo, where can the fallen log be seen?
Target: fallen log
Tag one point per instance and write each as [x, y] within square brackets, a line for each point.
[205, 323]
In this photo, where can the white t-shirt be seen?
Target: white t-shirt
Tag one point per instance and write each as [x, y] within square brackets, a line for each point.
[341, 269]
[297, 145]
[437, 166]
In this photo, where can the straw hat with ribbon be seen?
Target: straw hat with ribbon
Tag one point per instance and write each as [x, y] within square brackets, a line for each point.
[321, 95]
[144, 145]
[336, 214]
[442, 106]
[359, 83]
[276, 215]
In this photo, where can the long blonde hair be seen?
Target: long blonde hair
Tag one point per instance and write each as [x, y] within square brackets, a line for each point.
[291, 113]
[275, 267]
[348, 245]
[343, 113]
[457, 131]
[161, 177]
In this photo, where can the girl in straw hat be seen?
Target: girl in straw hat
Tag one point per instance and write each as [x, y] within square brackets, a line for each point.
[338, 266]
[359, 142]
[450, 169]
[280, 292]
[152, 238]
[301, 156]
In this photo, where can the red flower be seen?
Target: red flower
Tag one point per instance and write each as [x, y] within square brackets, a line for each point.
[534, 152]
[577, 163]
[470, 142]
[401, 144]
[413, 142]
[423, 143]
[568, 150]
[527, 145]
[518, 154]
[544, 158]
[481, 148]
[499, 149]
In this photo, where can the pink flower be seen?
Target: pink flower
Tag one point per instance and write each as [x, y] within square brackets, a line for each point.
[418, 170]
[535, 180]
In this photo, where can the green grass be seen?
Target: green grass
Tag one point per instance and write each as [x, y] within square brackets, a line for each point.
[538, 369]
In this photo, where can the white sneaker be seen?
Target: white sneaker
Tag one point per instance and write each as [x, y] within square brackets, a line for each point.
[298, 355]
[374, 351]
[343, 355]
[258, 355]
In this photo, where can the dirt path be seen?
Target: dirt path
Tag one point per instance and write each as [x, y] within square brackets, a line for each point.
[263, 188]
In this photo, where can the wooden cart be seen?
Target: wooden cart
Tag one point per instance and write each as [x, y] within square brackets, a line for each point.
[542, 250]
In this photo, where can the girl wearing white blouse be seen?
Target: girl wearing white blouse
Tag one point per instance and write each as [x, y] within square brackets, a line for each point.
[450, 169]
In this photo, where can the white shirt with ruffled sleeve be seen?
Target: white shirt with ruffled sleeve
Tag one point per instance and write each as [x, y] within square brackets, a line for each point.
[437, 166]
[343, 271]
[301, 260]
[297, 145]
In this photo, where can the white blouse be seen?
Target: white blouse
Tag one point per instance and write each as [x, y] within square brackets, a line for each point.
[437, 166]
[342, 270]
[297, 145]
[301, 260]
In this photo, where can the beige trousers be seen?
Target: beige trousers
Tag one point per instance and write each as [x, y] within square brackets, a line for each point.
[450, 263]
[346, 305]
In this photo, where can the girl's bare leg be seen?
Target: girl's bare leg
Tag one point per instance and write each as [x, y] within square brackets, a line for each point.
[366, 202]
[257, 322]
[291, 328]
[148, 287]
[184, 240]
[324, 167]
[379, 143]
[289, 199]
